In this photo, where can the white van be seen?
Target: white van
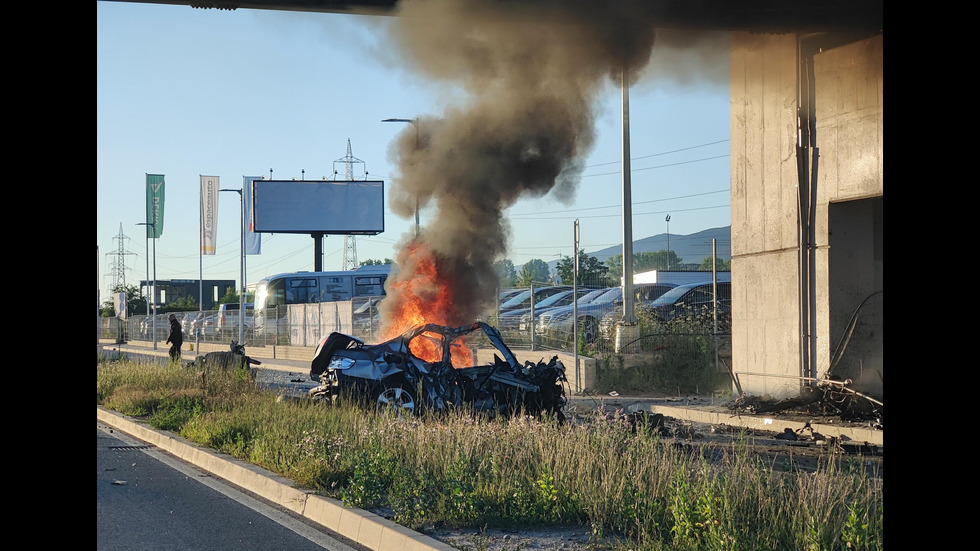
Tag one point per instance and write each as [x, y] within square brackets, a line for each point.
[228, 316]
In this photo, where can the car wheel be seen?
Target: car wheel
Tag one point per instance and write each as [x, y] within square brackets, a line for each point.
[398, 399]
[590, 329]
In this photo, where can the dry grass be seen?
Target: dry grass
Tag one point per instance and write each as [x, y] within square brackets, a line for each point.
[459, 470]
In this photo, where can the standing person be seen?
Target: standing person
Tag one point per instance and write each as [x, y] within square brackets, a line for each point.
[176, 338]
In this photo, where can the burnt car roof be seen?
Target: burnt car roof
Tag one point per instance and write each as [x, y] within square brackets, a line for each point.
[339, 341]
[390, 373]
[453, 333]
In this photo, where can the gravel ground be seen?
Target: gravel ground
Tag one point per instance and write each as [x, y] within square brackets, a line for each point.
[568, 539]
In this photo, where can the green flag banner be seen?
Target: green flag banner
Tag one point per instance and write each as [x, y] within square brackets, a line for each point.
[154, 205]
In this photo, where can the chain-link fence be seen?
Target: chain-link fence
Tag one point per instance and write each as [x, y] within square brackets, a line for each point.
[681, 336]
[295, 325]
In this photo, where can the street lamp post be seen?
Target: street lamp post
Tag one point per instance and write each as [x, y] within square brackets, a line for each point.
[668, 242]
[241, 295]
[414, 122]
[153, 321]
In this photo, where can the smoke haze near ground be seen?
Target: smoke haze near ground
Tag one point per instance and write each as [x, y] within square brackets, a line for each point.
[529, 74]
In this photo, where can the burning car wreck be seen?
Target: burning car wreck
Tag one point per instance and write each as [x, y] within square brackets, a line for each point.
[432, 367]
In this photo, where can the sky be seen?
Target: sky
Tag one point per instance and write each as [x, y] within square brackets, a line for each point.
[186, 92]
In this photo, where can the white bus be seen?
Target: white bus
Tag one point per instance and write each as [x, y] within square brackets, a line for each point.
[274, 293]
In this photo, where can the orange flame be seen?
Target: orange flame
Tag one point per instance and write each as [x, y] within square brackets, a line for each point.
[421, 294]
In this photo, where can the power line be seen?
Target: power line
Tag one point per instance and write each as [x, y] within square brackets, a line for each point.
[617, 215]
[660, 166]
[617, 205]
[659, 154]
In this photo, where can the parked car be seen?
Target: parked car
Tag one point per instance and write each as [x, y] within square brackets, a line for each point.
[433, 367]
[228, 318]
[558, 324]
[190, 323]
[691, 300]
[646, 294]
[193, 322]
[511, 319]
[187, 323]
[523, 299]
[508, 294]
[525, 323]
[209, 326]
[162, 326]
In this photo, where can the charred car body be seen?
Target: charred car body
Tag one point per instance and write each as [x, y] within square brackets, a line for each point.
[391, 373]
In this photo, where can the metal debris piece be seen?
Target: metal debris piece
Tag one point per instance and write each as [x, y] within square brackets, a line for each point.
[826, 397]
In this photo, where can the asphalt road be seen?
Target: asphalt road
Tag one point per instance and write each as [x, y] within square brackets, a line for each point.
[149, 500]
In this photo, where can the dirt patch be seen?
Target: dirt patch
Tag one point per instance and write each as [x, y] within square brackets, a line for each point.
[564, 538]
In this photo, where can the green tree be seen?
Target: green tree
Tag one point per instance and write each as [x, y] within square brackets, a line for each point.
[183, 304]
[375, 262]
[534, 271]
[505, 272]
[723, 265]
[590, 270]
[231, 297]
[135, 302]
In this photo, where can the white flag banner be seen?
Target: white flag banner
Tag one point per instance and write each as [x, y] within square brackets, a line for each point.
[119, 303]
[209, 214]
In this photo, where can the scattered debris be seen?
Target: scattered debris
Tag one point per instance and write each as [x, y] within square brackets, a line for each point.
[826, 398]
[787, 434]
[225, 361]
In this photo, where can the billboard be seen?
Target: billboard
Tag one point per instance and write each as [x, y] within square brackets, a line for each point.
[318, 206]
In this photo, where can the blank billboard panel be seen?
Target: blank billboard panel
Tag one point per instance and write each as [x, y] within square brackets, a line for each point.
[309, 206]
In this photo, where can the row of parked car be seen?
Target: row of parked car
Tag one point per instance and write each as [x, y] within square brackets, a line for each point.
[552, 316]
[599, 310]
[220, 322]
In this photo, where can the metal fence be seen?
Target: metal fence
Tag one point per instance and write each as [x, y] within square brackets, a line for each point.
[693, 345]
[295, 325]
[690, 348]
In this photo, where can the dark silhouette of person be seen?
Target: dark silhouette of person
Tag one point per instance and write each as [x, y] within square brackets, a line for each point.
[176, 338]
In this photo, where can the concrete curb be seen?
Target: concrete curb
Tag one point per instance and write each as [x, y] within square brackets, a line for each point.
[363, 527]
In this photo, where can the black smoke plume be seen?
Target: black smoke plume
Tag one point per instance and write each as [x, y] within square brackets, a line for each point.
[529, 73]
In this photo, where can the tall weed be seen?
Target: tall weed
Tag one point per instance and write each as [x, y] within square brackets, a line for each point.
[600, 470]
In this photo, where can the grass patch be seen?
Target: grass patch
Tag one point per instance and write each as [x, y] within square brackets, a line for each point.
[458, 470]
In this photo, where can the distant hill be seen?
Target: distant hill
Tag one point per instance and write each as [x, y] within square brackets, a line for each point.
[691, 249]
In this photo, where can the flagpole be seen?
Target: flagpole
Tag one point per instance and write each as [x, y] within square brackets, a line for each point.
[241, 302]
[154, 209]
[153, 293]
[154, 279]
[244, 254]
[200, 261]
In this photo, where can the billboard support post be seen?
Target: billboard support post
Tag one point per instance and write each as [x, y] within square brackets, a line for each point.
[317, 251]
